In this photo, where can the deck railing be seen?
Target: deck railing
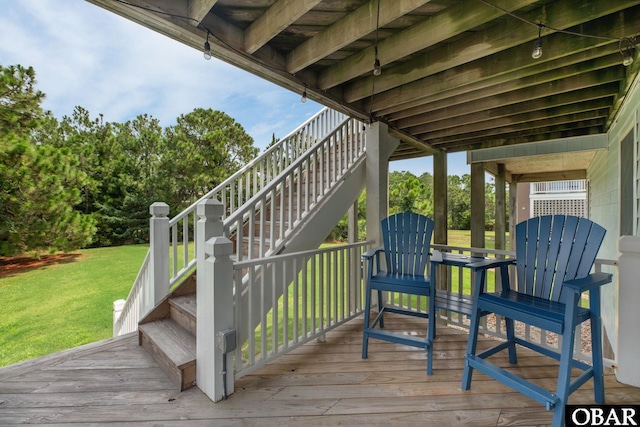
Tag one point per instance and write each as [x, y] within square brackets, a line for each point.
[568, 186]
[233, 192]
[322, 289]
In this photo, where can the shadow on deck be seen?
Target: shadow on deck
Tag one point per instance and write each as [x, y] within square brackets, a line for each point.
[115, 383]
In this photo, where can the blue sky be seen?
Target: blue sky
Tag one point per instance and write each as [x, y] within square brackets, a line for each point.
[86, 56]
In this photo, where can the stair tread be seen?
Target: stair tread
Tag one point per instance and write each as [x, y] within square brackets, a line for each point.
[178, 344]
[186, 303]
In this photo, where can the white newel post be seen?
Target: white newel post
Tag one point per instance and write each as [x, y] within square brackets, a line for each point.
[215, 339]
[628, 371]
[159, 255]
[118, 305]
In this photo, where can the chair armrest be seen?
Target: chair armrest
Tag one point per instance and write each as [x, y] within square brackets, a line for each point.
[587, 283]
[371, 253]
[491, 263]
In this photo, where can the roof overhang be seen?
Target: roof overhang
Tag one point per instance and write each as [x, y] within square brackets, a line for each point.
[558, 159]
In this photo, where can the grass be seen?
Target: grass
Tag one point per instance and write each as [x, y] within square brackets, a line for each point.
[65, 305]
[61, 306]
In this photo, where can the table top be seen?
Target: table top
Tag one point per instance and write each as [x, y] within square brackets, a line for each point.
[459, 260]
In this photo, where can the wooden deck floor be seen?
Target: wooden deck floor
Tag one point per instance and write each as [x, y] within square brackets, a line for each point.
[116, 383]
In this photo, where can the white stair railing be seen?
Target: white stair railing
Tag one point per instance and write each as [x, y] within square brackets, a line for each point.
[260, 227]
[233, 192]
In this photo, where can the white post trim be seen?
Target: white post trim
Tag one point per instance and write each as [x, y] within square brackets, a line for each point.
[628, 369]
[159, 244]
[214, 302]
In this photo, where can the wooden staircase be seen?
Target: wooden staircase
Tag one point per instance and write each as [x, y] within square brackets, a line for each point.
[168, 334]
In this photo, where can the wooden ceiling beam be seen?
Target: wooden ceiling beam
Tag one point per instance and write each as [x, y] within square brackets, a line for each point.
[198, 9]
[562, 50]
[560, 14]
[279, 16]
[447, 109]
[551, 176]
[451, 21]
[595, 81]
[592, 109]
[541, 136]
[551, 129]
[352, 27]
[532, 110]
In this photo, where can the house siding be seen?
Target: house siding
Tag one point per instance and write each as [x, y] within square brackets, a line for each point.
[604, 199]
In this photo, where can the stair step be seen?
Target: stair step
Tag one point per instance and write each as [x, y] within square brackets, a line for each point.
[174, 348]
[183, 311]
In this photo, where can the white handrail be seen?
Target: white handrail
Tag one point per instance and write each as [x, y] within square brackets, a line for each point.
[233, 192]
[127, 320]
[261, 225]
[239, 188]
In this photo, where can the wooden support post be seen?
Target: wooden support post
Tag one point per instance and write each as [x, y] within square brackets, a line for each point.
[354, 260]
[440, 197]
[477, 205]
[501, 213]
[159, 250]
[513, 213]
[440, 214]
[214, 368]
[380, 146]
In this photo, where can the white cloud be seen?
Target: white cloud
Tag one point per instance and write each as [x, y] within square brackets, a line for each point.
[86, 56]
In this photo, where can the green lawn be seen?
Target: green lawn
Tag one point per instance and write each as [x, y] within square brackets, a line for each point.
[56, 307]
[61, 306]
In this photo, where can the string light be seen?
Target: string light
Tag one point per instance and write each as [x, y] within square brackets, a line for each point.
[377, 69]
[207, 48]
[303, 99]
[537, 47]
[627, 54]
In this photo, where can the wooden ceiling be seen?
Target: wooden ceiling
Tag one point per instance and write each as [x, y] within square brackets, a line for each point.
[457, 75]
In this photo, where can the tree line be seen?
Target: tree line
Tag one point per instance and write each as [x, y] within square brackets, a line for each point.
[411, 193]
[84, 182]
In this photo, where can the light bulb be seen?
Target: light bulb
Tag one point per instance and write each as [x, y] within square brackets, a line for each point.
[537, 49]
[207, 50]
[303, 99]
[377, 69]
[627, 58]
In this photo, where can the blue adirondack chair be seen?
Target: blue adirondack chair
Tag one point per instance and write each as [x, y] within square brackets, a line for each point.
[406, 238]
[554, 257]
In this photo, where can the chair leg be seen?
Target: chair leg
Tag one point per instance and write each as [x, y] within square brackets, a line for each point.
[566, 360]
[511, 339]
[367, 315]
[597, 356]
[431, 334]
[471, 348]
[380, 308]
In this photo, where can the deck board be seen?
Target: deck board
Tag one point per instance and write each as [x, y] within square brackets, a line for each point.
[326, 383]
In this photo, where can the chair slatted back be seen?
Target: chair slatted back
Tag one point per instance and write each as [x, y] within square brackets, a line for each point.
[552, 249]
[406, 238]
